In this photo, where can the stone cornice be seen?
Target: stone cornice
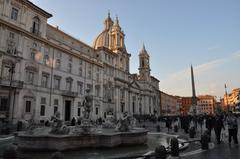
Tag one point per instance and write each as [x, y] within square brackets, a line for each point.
[45, 41]
[35, 8]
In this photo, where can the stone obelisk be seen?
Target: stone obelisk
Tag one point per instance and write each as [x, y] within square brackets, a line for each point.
[194, 98]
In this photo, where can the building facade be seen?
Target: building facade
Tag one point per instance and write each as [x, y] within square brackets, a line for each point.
[169, 105]
[44, 70]
[207, 104]
[231, 100]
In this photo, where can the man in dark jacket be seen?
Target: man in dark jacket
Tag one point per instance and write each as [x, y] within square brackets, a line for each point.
[209, 124]
[218, 126]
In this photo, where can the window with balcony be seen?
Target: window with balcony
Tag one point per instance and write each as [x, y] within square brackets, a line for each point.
[14, 14]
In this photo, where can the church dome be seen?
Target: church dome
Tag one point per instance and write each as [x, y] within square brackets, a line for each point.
[112, 37]
[102, 40]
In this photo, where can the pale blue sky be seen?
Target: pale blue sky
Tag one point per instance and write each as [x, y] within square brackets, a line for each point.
[176, 33]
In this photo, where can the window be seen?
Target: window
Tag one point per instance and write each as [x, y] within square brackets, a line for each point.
[32, 55]
[43, 100]
[6, 72]
[30, 77]
[89, 72]
[70, 58]
[80, 62]
[58, 63]
[3, 104]
[80, 71]
[68, 85]
[55, 109]
[57, 81]
[11, 35]
[97, 90]
[14, 14]
[96, 110]
[122, 94]
[36, 26]
[89, 86]
[69, 68]
[42, 111]
[55, 103]
[43, 104]
[44, 80]
[80, 87]
[46, 59]
[133, 107]
[122, 107]
[28, 106]
[79, 111]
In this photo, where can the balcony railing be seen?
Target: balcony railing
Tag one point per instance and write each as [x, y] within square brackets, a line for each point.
[36, 32]
[15, 83]
[69, 93]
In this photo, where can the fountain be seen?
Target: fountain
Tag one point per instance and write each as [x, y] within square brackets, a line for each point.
[62, 137]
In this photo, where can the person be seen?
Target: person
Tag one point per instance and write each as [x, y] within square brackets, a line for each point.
[209, 124]
[232, 128]
[218, 126]
[200, 122]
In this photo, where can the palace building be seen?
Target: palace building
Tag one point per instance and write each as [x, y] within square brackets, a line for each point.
[44, 70]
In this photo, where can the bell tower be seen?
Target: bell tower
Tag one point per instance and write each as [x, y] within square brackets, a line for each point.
[117, 36]
[144, 66]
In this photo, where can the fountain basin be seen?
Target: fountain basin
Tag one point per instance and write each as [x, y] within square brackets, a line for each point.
[49, 142]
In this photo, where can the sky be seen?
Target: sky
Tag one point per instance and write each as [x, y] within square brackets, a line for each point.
[176, 34]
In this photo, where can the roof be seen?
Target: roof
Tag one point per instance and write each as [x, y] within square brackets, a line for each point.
[43, 12]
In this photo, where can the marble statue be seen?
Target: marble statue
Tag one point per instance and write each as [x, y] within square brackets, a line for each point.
[58, 127]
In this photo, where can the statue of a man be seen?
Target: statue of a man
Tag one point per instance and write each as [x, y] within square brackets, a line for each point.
[87, 104]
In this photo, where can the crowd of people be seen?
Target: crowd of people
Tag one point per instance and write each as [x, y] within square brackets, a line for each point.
[218, 123]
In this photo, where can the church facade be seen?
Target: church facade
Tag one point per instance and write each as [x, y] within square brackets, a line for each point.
[44, 70]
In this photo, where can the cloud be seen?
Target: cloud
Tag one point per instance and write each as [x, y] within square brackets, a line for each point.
[236, 55]
[185, 73]
[208, 66]
[214, 47]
